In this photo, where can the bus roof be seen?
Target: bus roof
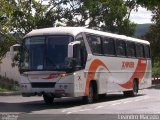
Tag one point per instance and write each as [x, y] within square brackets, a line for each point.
[76, 30]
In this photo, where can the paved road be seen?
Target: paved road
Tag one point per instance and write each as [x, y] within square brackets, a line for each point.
[147, 102]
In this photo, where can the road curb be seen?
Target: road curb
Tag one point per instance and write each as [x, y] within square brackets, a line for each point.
[10, 93]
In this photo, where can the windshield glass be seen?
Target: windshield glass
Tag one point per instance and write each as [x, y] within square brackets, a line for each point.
[45, 52]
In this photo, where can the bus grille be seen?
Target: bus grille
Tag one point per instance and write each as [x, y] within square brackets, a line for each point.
[43, 84]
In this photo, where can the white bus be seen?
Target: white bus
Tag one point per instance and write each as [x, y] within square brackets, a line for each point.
[76, 61]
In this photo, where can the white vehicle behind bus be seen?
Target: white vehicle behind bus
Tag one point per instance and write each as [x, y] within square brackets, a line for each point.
[76, 61]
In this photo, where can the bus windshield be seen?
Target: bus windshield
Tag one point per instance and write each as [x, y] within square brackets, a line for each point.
[44, 53]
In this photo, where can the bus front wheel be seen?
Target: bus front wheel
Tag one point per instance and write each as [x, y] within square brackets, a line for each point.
[48, 98]
[92, 96]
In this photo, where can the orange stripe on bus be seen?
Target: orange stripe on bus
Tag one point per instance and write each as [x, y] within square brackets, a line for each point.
[51, 76]
[91, 73]
[139, 73]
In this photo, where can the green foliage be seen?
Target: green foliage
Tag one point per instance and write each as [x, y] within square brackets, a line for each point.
[107, 15]
[5, 44]
[153, 36]
[150, 4]
[8, 85]
[18, 17]
[2, 89]
[33, 15]
[156, 69]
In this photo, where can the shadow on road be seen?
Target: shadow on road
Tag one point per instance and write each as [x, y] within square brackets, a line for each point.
[60, 103]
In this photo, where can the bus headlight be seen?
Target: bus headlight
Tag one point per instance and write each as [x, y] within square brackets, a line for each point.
[63, 86]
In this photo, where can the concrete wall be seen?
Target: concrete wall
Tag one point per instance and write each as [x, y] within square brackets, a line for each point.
[6, 68]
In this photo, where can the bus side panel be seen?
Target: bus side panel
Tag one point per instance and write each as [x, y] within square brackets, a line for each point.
[117, 74]
[120, 72]
[65, 84]
[147, 80]
[79, 83]
[25, 85]
[102, 78]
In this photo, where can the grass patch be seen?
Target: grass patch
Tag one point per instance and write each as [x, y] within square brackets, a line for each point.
[7, 88]
[3, 90]
[7, 85]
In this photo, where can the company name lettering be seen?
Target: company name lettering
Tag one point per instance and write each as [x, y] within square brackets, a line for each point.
[126, 64]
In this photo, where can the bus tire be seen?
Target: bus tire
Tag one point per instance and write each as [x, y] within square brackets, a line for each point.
[92, 96]
[135, 88]
[48, 98]
[102, 96]
[133, 92]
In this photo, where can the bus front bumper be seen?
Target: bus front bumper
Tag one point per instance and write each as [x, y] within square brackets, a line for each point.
[59, 90]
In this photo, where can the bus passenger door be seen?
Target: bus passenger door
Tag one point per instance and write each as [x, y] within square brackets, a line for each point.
[80, 55]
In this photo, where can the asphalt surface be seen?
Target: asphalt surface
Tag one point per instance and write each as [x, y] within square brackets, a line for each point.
[112, 107]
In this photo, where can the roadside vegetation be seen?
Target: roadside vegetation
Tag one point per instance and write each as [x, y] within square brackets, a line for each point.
[7, 85]
[156, 70]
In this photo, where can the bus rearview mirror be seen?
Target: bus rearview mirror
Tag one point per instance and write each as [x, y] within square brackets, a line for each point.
[71, 48]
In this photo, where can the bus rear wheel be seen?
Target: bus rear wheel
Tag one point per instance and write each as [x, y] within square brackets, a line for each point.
[133, 92]
[48, 98]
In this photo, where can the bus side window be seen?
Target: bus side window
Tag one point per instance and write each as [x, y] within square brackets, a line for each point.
[147, 51]
[131, 52]
[83, 52]
[120, 48]
[139, 51]
[108, 46]
[95, 44]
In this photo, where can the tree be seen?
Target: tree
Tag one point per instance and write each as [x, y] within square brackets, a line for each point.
[18, 17]
[6, 40]
[149, 4]
[153, 36]
[34, 15]
[107, 15]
